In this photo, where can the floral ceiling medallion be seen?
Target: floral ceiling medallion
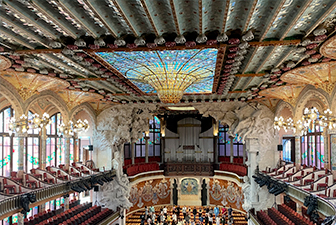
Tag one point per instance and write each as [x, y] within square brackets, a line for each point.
[288, 93]
[321, 75]
[4, 63]
[328, 49]
[74, 98]
[28, 84]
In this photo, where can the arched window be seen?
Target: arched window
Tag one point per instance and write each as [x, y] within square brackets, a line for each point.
[55, 143]
[224, 143]
[154, 142]
[312, 147]
[32, 147]
[6, 143]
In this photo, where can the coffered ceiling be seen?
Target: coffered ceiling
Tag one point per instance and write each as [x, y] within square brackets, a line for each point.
[102, 46]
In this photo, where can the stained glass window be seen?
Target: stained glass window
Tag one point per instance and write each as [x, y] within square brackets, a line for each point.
[55, 144]
[6, 142]
[167, 64]
[154, 141]
[224, 143]
[71, 150]
[312, 147]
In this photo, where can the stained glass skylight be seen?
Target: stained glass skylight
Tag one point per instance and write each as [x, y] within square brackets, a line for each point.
[196, 67]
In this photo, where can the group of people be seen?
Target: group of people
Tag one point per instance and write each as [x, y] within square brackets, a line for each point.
[189, 217]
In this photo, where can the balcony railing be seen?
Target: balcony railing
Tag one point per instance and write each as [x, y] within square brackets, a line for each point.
[10, 205]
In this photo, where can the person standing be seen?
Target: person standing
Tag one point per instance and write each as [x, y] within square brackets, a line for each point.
[223, 219]
[151, 209]
[195, 213]
[218, 220]
[216, 211]
[187, 218]
[174, 217]
[165, 210]
[230, 211]
[224, 210]
[206, 219]
[184, 211]
[210, 219]
[142, 217]
[200, 215]
[178, 211]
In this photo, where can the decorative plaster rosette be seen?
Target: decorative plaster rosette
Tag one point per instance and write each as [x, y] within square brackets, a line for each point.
[4, 63]
[328, 49]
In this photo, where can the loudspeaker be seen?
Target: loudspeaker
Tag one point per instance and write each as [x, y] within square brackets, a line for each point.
[90, 147]
[95, 188]
[280, 148]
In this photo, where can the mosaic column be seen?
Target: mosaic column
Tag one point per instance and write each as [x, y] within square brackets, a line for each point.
[66, 203]
[20, 220]
[326, 149]
[43, 148]
[298, 156]
[231, 149]
[252, 147]
[67, 151]
[333, 151]
[21, 152]
[132, 152]
[76, 148]
[146, 149]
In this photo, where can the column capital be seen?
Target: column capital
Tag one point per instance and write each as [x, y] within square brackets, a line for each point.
[252, 145]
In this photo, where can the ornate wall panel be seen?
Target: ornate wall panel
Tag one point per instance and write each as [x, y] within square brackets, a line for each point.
[150, 192]
[225, 193]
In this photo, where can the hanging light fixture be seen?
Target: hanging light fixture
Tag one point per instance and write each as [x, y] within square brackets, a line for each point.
[18, 126]
[38, 123]
[71, 128]
[311, 119]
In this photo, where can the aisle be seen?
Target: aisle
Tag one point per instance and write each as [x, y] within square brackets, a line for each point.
[134, 219]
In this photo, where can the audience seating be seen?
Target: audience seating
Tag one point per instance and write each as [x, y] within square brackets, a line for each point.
[278, 217]
[263, 217]
[60, 176]
[73, 173]
[30, 183]
[48, 180]
[239, 169]
[293, 216]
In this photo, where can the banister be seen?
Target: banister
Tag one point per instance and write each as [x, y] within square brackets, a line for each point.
[11, 204]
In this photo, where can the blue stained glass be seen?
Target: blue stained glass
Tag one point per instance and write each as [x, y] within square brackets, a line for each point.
[137, 65]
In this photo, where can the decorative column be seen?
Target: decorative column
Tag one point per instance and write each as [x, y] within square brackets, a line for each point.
[21, 137]
[298, 156]
[244, 153]
[326, 149]
[146, 148]
[43, 149]
[20, 220]
[76, 148]
[333, 151]
[252, 147]
[132, 152]
[231, 149]
[67, 151]
[66, 202]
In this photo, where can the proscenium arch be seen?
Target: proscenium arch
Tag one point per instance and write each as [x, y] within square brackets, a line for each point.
[87, 108]
[10, 93]
[52, 97]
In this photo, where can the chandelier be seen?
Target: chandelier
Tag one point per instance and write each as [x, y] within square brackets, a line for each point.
[72, 128]
[24, 124]
[311, 119]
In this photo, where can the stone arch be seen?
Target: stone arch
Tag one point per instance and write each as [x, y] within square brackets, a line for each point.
[10, 93]
[87, 108]
[54, 99]
[281, 106]
[307, 94]
[333, 102]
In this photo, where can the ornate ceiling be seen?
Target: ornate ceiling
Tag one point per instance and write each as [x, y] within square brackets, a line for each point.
[101, 46]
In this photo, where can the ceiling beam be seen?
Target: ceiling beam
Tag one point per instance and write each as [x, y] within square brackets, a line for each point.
[24, 30]
[275, 43]
[227, 6]
[78, 20]
[275, 14]
[284, 58]
[265, 60]
[16, 39]
[317, 23]
[218, 66]
[234, 87]
[250, 75]
[250, 15]
[97, 14]
[298, 15]
[200, 16]
[90, 79]
[125, 18]
[51, 18]
[236, 92]
[30, 20]
[250, 59]
[177, 27]
[149, 16]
